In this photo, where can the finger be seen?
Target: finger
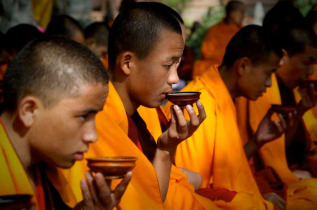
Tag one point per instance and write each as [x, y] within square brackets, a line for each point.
[181, 121]
[282, 121]
[194, 121]
[87, 200]
[305, 97]
[278, 126]
[91, 187]
[201, 111]
[312, 94]
[122, 186]
[269, 113]
[104, 191]
[173, 125]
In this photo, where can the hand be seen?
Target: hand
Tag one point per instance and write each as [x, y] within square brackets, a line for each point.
[97, 193]
[180, 128]
[277, 200]
[269, 130]
[309, 99]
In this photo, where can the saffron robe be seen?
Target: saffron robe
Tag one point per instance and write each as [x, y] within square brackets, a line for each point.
[216, 40]
[215, 149]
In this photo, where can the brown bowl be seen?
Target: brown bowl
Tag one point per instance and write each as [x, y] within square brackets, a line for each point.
[112, 167]
[21, 201]
[183, 98]
[284, 110]
[307, 83]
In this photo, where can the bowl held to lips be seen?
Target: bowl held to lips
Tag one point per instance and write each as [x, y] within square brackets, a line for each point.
[307, 83]
[114, 167]
[183, 98]
[284, 110]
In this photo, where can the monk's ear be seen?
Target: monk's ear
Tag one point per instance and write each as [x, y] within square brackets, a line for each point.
[243, 65]
[126, 62]
[285, 57]
[28, 109]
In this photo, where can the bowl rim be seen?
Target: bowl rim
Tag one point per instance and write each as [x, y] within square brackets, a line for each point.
[113, 159]
[182, 94]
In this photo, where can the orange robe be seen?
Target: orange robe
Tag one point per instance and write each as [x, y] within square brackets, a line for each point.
[215, 150]
[143, 192]
[216, 40]
[14, 179]
[299, 192]
[214, 46]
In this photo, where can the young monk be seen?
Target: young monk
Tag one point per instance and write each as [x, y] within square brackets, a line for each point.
[215, 150]
[298, 44]
[53, 90]
[67, 26]
[145, 47]
[218, 36]
[96, 39]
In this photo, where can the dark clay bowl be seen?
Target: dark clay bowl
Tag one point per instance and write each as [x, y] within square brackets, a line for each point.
[284, 110]
[183, 98]
[307, 83]
[112, 167]
[21, 201]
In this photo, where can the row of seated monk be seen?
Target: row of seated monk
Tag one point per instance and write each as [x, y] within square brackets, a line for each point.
[229, 150]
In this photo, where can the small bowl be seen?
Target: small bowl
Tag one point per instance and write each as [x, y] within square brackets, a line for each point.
[112, 167]
[307, 83]
[20, 201]
[183, 98]
[284, 110]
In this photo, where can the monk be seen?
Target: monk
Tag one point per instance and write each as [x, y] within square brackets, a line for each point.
[218, 36]
[215, 150]
[298, 44]
[53, 90]
[67, 26]
[145, 47]
[96, 39]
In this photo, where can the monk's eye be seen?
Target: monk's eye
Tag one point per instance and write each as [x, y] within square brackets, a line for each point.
[168, 66]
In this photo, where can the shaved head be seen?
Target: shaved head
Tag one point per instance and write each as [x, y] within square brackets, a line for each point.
[251, 42]
[137, 29]
[294, 38]
[51, 68]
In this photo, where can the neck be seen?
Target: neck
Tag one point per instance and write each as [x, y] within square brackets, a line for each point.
[129, 106]
[18, 137]
[228, 77]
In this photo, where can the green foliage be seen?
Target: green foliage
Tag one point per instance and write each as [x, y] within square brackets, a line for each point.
[305, 5]
[178, 5]
[214, 16]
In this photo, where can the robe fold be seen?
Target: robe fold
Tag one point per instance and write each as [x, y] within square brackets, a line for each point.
[215, 149]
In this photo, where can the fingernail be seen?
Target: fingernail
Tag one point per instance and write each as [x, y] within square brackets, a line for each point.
[189, 107]
[82, 183]
[199, 103]
[176, 107]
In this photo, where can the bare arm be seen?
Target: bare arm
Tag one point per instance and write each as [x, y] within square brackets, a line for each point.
[179, 130]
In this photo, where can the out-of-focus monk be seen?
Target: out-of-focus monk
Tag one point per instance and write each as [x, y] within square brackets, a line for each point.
[53, 90]
[96, 39]
[215, 150]
[298, 44]
[218, 36]
[145, 47]
[67, 26]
